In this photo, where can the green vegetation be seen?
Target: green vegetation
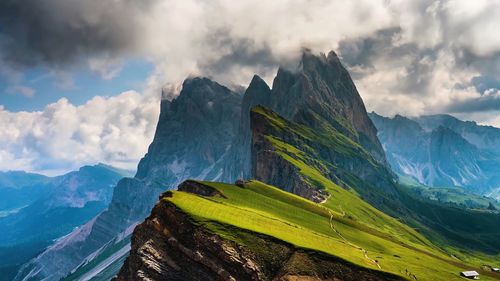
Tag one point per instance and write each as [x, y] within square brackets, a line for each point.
[323, 134]
[268, 210]
[453, 196]
[449, 225]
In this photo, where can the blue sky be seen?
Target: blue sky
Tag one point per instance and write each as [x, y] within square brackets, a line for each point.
[80, 85]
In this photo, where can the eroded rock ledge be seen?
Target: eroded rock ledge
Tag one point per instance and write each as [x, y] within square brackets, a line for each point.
[169, 245]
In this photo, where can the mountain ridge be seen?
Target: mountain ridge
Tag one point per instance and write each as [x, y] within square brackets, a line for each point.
[442, 151]
[64, 203]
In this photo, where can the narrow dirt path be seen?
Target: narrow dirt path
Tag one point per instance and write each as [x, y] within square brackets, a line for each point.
[365, 252]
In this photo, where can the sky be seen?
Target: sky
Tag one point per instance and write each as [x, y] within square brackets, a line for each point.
[80, 81]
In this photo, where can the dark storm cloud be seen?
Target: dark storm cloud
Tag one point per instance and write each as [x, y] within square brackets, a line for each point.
[485, 83]
[234, 54]
[362, 51]
[363, 54]
[485, 103]
[238, 52]
[58, 32]
[486, 65]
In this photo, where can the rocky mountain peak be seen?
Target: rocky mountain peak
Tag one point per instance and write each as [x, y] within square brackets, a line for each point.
[316, 62]
[319, 87]
[204, 116]
[323, 86]
[202, 90]
[445, 138]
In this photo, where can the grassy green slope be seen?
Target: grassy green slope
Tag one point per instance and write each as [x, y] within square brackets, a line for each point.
[268, 210]
[325, 153]
[311, 150]
[454, 196]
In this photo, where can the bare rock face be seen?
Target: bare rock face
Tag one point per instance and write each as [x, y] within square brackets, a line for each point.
[269, 167]
[200, 189]
[170, 246]
[236, 164]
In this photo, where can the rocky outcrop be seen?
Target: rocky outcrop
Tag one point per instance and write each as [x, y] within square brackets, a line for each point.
[169, 245]
[236, 165]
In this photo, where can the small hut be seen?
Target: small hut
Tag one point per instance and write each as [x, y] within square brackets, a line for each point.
[470, 274]
[240, 183]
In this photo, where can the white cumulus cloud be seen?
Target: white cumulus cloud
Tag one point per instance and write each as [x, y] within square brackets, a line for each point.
[114, 130]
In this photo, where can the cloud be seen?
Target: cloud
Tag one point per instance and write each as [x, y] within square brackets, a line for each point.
[434, 60]
[232, 40]
[489, 101]
[114, 130]
[107, 68]
[181, 37]
[408, 57]
[23, 90]
[57, 32]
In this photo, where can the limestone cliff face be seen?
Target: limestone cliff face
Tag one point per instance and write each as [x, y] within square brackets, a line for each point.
[194, 131]
[236, 164]
[170, 246]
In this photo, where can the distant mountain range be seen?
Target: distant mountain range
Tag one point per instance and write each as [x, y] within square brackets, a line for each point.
[442, 151]
[37, 209]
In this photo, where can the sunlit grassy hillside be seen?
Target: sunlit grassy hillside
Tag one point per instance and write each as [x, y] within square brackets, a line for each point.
[264, 209]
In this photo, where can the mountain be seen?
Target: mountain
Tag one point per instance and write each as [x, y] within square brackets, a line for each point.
[294, 157]
[197, 233]
[442, 151]
[320, 86]
[194, 131]
[205, 134]
[19, 189]
[286, 154]
[59, 204]
[483, 137]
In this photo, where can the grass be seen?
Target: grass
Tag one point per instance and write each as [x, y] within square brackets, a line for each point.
[454, 196]
[268, 210]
